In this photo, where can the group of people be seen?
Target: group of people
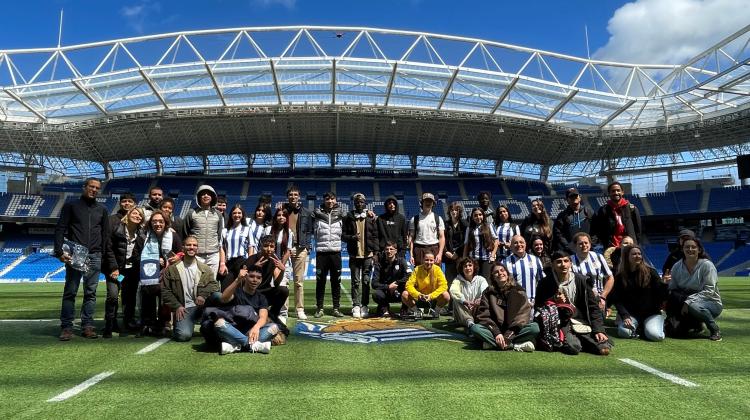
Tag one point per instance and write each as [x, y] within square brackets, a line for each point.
[511, 286]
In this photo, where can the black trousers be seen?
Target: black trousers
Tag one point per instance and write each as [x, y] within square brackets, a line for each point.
[383, 297]
[129, 294]
[276, 297]
[328, 264]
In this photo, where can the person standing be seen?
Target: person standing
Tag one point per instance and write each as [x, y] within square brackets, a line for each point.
[616, 219]
[505, 230]
[301, 226]
[593, 265]
[392, 226]
[426, 232]
[575, 218]
[207, 225]
[328, 230]
[84, 222]
[455, 234]
[480, 242]
[155, 197]
[537, 224]
[361, 237]
[525, 268]
[485, 199]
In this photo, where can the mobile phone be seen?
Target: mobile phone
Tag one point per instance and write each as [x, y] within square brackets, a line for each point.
[120, 277]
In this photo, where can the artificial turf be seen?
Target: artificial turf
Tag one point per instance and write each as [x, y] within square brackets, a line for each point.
[309, 378]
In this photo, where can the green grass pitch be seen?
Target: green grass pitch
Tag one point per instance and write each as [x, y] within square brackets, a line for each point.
[309, 378]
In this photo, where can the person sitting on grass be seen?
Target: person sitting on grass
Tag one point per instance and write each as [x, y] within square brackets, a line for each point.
[251, 332]
[638, 295]
[389, 278]
[273, 270]
[426, 285]
[693, 293]
[586, 329]
[466, 292]
[502, 318]
[186, 287]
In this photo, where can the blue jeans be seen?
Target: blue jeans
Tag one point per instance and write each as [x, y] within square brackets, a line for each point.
[233, 336]
[705, 311]
[73, 279]
[653, 328]
[183, 330]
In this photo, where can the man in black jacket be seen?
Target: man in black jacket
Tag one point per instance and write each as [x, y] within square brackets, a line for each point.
[575, 218]
[301, 224]
[127, 203]
[86, 223]
[361, 237]
[389, 278]
[586, 330]
[616, 219]
[392, 227]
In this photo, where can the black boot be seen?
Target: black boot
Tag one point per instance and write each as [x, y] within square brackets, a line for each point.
[115, 326]
[107, 329]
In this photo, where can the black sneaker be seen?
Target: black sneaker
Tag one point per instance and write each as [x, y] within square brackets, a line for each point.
[715, 336]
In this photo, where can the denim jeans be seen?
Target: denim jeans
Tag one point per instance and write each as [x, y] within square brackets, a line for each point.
[705, 311]
[653, 328]
[183, 330]
[73, 279]
[233, 336]
[360, 272]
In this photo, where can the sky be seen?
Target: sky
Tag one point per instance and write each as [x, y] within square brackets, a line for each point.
[641, 31]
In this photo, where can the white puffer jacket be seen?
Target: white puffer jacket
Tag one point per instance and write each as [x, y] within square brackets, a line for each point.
[328, 227]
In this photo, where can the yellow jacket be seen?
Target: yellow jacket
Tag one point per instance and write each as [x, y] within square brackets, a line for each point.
[420, 282]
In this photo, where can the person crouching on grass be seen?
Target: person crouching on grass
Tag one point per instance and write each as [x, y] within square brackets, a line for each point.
[426, 284]
[250, 333]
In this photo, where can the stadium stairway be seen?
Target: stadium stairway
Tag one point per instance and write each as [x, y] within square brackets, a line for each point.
[506, 190]
[12, 265]
[705, 200]
[647, 206]
[462, 189]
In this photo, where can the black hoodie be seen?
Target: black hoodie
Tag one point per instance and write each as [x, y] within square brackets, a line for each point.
[392, 227]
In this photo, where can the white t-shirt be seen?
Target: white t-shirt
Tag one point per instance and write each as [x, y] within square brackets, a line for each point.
[428, 231]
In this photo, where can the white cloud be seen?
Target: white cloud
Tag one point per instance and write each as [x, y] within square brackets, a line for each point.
[138, 16]
[289, 4]
[670, 31]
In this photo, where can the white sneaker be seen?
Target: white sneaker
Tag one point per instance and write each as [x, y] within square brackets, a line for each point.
[261, 347]
[526, 346]
[301, 314]
[227, 348]
[282, 319]
[364, 311]
[356, 313]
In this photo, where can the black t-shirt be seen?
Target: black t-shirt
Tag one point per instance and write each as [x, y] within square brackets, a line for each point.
[256, 300]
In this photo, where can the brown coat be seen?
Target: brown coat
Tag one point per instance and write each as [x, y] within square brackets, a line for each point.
[172, 292]
[503, 311]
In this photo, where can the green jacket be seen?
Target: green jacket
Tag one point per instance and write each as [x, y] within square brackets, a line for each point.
[172, 291]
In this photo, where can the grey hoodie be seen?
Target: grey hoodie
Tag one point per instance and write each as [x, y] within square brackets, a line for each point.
[205, 225]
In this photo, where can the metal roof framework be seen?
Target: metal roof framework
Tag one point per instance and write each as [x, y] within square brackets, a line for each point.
[336, 92]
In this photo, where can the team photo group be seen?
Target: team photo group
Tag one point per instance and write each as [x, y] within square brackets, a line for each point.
[237, 273]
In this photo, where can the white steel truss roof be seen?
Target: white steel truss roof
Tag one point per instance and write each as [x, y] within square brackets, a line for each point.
[76, 96]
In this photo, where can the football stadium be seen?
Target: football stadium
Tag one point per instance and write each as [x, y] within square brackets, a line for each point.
[336, 134]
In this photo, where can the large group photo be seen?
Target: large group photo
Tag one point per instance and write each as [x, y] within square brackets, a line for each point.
[326, 221]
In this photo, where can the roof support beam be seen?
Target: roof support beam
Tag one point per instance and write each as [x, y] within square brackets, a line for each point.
[216, 85]
[561, 105]
[448, 88]
[333, 81]
[88, 95]
[151, 84]
[276, 86]
[390, 84]
[504, 95]
[614, 115]
[25, 105]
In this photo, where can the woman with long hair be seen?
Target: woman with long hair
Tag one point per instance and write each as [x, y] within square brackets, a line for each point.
[455, 230]
[505, 230]
[537, 224]
[638, 295]
[238, 242]
[480, 242]
[260, 225]
[537, 248]
[284, 237]
[159, 247]
[124, 272]
[693, 293]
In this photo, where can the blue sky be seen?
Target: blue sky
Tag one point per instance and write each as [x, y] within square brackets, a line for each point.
[638, 31]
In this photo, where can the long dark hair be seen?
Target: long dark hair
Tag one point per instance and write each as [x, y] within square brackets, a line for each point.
[276, 228]
[484, 230]
[641, 273]
[497, 215]
[543, 220]
[228, 216]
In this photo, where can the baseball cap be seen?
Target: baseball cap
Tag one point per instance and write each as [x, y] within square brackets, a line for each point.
[428, 196]
[687, 232]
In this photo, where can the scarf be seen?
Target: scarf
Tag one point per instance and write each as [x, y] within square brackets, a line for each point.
[617, 209]
[153, 249]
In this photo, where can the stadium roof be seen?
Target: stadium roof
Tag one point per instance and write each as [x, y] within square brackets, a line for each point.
[336, 90]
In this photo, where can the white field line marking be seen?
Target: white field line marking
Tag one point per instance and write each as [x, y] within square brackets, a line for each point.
[72, 392]
[663, 375]
[449, 339]
[153, 346]
[347, 294]
[29, 320]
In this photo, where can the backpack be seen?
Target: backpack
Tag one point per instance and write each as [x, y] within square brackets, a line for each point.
[550, 336]
[416, 223]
